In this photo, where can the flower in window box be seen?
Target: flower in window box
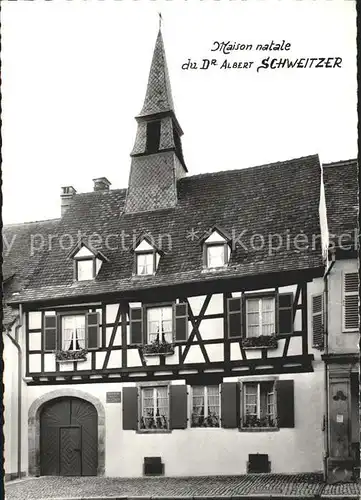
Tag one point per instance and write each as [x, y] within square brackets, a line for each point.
[263, 341]
[79, 355]
[157, 347]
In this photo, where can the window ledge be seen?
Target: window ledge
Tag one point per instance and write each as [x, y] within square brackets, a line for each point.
[258, 429]
[153, 431]
[77, 360]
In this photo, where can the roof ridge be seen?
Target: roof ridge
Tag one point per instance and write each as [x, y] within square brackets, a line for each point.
[12, 224]
[265, 165]
[339, 163]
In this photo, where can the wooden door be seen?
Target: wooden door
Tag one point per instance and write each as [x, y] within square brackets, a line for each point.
[68, 438]
[70, 451]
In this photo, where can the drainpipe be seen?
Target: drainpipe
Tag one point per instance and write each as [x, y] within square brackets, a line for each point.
[325, 277]
[15, 341]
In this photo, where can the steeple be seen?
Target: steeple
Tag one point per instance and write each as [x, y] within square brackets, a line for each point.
[157, 158]
[158, 98]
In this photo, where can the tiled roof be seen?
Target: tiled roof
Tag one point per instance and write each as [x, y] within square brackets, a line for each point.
[22, 253]
[158, 98]
[341, 190]
[280, 198]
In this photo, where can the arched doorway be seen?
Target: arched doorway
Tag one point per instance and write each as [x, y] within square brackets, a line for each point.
[68, 438]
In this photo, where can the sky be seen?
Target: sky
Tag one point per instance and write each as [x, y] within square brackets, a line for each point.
[74, 76]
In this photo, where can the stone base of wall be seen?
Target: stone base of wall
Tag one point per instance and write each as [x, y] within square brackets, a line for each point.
[339, 471]
[10, 476]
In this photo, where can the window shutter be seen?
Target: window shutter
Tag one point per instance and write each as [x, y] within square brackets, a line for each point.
[92, 329]
[130, 408]
[181, 322]
[234, 317]
[285, 403]
[50, 332]
[178, 406]
[317, 321]
[230, 406]
[136, 325]
[285, 313]
[350, 305]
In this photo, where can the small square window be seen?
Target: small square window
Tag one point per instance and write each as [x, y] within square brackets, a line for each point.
[85, 269]
[154, 408]
[259, 409]
[216, 255]
[145, 263]
[160, 324]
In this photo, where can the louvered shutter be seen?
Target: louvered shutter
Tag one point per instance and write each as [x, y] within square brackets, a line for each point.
[181, 322]
[285, 313]
[50, 332]
[178, 406]
[230, 406]
[130, 408]
[350, 306]
[92, 330]
[317, 321]
[136, 325]
[285, 403]
[234, 317]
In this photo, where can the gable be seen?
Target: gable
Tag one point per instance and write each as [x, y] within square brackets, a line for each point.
[84, 252]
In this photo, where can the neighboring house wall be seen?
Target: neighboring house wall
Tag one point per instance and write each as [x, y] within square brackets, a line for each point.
[339, 340]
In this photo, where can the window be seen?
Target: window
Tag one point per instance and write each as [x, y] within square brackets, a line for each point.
[145, 263]
[73, 333]
[260, 316]
[85, 269]
[216, 250]
[154, 408]
[350, 303]
[153, 137]
[205, 406]
[259, 404]
[160, 324]
[216, 255]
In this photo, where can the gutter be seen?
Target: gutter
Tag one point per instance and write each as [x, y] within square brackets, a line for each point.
[15, 341]
[325, 278]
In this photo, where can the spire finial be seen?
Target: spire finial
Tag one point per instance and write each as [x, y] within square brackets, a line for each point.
[160, 20]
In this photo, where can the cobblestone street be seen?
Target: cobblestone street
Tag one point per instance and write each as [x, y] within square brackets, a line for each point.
[258, 485]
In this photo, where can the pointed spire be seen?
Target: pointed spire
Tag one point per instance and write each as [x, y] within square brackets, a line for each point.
[158, 98]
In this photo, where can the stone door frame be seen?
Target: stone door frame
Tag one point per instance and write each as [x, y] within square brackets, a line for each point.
[34, 426]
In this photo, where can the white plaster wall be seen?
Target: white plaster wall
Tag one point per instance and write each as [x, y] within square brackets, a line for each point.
[315, 287]
[339, 341]
[10, 381]
[9, 357]
[213, 451]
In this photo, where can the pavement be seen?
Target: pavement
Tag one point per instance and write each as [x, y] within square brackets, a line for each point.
[261, 486]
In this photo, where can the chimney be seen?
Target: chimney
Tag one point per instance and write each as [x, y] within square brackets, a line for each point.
[66, 198]
[101, 184]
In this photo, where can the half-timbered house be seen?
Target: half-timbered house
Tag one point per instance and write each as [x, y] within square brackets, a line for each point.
[169, 328]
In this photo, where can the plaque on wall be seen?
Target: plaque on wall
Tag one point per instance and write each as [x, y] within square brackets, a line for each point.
[113, 397]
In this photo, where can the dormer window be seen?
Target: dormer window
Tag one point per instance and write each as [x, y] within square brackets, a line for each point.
[216, 250]
[87, 263]
[146, 258]
[85, 269]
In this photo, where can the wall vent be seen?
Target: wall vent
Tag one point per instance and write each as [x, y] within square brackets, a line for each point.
[258, 463]
[153, 466]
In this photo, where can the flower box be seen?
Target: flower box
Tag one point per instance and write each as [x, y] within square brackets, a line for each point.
[69, 356]
[158, 349]
[261, 342]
